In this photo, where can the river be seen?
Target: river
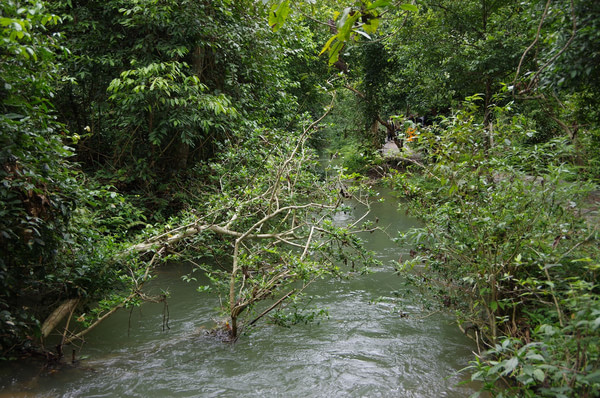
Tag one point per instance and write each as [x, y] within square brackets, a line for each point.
[377, 341]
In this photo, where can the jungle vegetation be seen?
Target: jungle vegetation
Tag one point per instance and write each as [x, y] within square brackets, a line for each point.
[134, 132]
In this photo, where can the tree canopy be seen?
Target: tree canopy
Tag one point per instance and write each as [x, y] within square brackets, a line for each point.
[139, 131]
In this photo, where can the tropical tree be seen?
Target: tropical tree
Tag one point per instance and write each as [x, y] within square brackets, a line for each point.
[51, 227]
[36, 193]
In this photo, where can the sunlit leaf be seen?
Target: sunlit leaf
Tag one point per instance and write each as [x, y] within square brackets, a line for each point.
[379, 3]
[371, 26]
[326, 46]
[409, 7]
[278, 14]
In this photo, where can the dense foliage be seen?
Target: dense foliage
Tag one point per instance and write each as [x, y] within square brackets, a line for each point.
[506, 184]
[111, 113]
[138, 130]
[160, 86]
[36, 182]
[505, 180]
[511, 253]
[47, 253]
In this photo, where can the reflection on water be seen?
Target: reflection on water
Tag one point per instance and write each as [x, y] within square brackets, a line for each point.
[365, 348]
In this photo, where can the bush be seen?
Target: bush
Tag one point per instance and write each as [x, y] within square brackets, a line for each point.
[510, 253]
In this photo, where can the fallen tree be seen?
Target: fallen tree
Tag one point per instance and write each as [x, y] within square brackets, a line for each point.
[269, 212]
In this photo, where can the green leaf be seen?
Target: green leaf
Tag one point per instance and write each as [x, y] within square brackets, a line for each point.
[409, 7]
[344, 17]
[453, 189]
[278, 15]
[17, 26]
[535, 357]
[493, 306]
[510, 366]
[539, 375]
[371, 26]
[334, 52]
[5, 21]
[326, 46]
[379, 3]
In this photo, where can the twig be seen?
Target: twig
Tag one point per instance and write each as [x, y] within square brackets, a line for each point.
[431, 314]
[98, 321]
[312, 230]
[537, 36]
[265, 312]
[562, 50]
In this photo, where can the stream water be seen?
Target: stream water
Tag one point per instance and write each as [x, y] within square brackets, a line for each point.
[374, 343]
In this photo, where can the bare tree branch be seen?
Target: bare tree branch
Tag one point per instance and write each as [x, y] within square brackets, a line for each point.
[537, 36]
[562, 50]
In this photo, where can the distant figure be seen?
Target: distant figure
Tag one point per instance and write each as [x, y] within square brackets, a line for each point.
[392, 133]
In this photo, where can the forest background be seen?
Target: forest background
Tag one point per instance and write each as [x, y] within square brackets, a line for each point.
[133, 131]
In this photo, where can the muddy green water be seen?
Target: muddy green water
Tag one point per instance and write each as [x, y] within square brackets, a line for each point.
[363, 349]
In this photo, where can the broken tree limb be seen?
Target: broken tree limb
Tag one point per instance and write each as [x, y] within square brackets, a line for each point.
[284, 207]
[191, 230]
[66, 308]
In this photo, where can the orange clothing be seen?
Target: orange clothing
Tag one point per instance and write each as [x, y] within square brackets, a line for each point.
[411, 134]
